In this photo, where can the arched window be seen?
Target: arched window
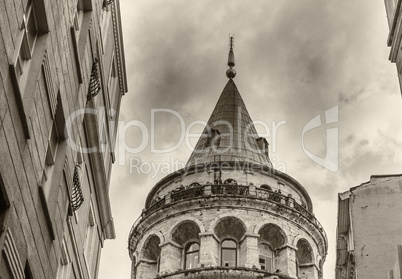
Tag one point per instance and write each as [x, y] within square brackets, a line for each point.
[151, 252]
[229, 252]
[192, 256]
[266, 187]
[266, 258]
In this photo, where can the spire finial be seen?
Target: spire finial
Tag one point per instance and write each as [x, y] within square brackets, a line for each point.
[231, 73]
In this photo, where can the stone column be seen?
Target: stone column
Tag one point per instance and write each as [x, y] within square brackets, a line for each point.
[285, 260]
[308, 271]
[171, 257]
[146, 269]
[249, 250]
[209, 249]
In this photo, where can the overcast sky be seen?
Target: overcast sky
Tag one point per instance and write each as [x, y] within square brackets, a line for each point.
[294, 61]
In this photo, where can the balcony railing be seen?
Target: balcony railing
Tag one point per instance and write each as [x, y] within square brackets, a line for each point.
[224, 189]
[274, 196]
[222, 272]
[191, 192]
[188, 193]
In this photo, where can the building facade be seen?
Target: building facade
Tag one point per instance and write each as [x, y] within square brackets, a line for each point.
[62, 76]
[394, 16]
[369, 228]
[228, 213]
[396, 271]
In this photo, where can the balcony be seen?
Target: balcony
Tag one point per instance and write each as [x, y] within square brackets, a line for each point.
[232, 190]
[224, 273]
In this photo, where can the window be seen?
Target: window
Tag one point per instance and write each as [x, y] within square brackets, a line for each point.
[79, 32]
[263, 145]
[90, 238]
[55, 154]
[30, 27]
[53, 169]
[151, 252]
[266, 258]
[29, 57]
[65, 266]
[192, 255]
[229, 253]
[113, 87]
[79, 15]
[213, 138]
[266, 187]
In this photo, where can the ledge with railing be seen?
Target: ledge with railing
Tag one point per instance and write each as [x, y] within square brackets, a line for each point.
[223, 190]
[197, 190]
[224, 273]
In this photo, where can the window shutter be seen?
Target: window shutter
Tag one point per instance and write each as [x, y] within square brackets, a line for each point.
[94, 82]
[76, 197]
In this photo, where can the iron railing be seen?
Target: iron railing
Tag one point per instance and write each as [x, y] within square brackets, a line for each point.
[235, 190]
[188, 193]
[272, 196]
[229, 189]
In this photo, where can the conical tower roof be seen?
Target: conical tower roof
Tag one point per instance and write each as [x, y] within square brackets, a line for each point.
[230, 134]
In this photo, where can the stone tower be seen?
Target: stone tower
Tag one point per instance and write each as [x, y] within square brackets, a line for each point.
[228, 213]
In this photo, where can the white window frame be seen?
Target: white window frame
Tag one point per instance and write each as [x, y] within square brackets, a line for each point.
[90, 238]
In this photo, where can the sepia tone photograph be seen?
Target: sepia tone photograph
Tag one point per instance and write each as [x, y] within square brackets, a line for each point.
[177, 139]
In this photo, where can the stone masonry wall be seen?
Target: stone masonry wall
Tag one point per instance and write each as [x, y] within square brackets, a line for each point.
[376, 220]
[206, 219]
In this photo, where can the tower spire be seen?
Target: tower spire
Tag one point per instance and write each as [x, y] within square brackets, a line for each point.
[231, 73]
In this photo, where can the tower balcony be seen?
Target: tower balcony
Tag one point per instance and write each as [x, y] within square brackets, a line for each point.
[198, 196]
[224, 273]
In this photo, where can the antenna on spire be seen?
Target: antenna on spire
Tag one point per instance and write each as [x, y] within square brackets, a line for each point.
[231, 73]
[231, 38]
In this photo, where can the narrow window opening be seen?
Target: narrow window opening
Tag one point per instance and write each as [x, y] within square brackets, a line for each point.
[266, 257]
[229, 253]
[192, 252]
[90, 238]
[213, 138]
[263, 145]
[30, 27]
